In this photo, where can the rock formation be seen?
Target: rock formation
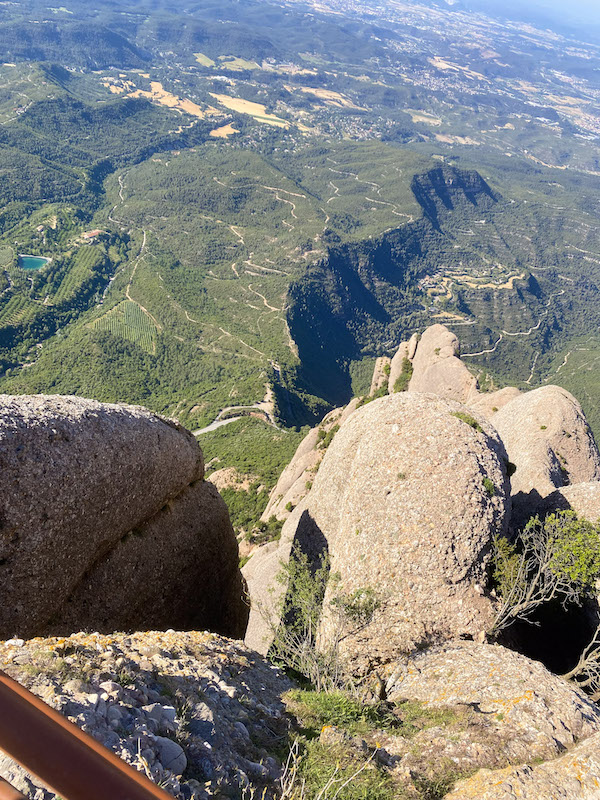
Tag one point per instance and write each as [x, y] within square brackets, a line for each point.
[106, 522]
[437, 368]
[143, 694]
[407, 500]
[397, 364]
[534, 713]
[380, 374]
[573, 776]
[582, 498]
[549, 441]
[489, 403]
[295, 480]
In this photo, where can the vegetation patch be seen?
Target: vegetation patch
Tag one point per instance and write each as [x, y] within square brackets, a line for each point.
[489, 487]
[468, 419]
[402, 381]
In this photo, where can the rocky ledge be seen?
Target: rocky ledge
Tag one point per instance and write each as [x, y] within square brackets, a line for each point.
[199, 714]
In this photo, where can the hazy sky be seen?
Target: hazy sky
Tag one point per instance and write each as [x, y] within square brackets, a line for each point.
[577, 16]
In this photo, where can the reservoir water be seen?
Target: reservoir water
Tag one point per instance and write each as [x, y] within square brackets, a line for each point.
[32, 262]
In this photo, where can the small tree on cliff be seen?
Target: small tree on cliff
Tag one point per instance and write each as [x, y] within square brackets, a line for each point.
[557, 558]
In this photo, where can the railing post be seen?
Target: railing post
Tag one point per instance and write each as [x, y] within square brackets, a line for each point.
[63, 757]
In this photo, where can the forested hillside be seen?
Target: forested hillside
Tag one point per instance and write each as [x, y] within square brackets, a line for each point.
[240, 206]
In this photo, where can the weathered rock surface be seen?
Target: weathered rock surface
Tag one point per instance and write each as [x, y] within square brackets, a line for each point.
[396, 365]
[489, 403]
[437, 368]
[549, 441]
[105, 522]
[582, 498]
[400, 504]
[136, 694]
[295, 480]
[573, 776]
[380, 376]
[531, 712]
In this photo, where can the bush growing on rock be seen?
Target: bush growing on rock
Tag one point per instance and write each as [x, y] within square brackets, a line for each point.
[557, 558]
[295, 624]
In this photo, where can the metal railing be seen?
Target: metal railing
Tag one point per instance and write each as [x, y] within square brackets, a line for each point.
[64, 758]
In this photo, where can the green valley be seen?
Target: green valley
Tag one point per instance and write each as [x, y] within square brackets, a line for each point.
[244, 205]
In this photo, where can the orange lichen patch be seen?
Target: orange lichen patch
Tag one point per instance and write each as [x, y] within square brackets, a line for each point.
[224, 131]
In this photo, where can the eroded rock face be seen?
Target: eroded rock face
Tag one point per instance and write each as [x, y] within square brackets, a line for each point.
[582, 498]
[295, 480]
[549, 441]
[406, 502]
[106, 522]
[489, 403]
[380, 378]
[396, 365]
[573, 776]
[533, 713]
[437, 368]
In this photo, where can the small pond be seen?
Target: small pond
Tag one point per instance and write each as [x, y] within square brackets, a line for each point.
[32, 262]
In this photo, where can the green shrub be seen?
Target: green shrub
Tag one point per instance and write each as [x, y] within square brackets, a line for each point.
[361, 779]
[325, 438]
[264, 532]
[489, 487]
[296, 619]
[554, 558]
[402, 381]
[471, 421]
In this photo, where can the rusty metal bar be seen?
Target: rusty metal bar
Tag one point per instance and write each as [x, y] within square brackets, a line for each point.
[62, 756]
[8, 793]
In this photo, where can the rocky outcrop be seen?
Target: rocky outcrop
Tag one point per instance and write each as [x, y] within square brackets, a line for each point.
[397, 364]
[106, 522]
[163, 702]
[531, 712]
[489, 403]
[380, 374]
[296, 479]
[407, 501]
[582, 498]
[573, 776]
[549, 441]
[437, 368]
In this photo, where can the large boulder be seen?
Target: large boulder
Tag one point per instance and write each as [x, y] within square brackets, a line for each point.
[489, 403]
[437, 368]
[549, 441]
[573, 776]
[582, 498]
[106, 522]
[406, 503]
[529, 711]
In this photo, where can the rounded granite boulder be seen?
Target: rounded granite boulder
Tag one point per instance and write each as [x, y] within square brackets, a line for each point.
[106, 522]
[407, 501]
[550, 442]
